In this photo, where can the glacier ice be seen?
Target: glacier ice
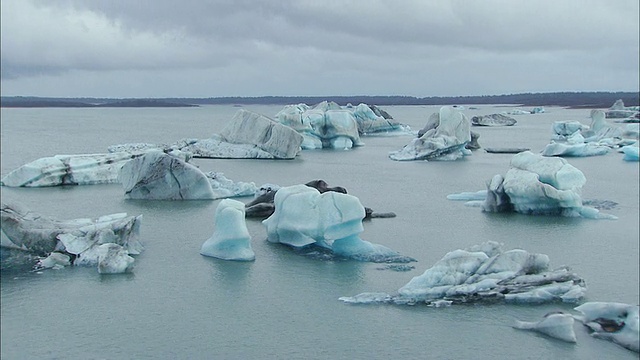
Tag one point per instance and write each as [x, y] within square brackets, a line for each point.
[535, 184]
[443, 138]
[630, 153]
[571, 138]
[329, 125]
[493, 120]
[486, 273]
[230, 239]
[114, 259]
[248, 127]
[57, 170]
[80, 239]
[616, 322]
[555, 325]
[159, 176]
[332, 220]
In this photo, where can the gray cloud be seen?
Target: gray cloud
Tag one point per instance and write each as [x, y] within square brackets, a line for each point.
[307, 47]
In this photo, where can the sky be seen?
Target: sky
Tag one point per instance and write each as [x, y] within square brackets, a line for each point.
[217, 48]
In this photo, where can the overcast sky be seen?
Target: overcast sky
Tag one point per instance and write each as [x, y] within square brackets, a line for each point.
[195, 48]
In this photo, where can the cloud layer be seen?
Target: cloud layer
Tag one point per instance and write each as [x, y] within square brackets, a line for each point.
[194, 48]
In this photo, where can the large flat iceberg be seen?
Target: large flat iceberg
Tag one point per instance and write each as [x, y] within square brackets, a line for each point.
[486, 273]
[86, 169]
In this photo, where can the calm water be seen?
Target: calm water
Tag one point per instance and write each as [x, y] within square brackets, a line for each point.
[180, 305]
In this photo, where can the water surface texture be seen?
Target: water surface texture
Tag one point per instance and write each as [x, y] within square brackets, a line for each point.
[178, 304]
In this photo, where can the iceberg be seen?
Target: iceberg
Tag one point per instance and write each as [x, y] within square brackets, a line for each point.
[443, 138]
[619, 111]
[158, 176]
[43, 236]
[600, 129]
[486, 273]
[556, 325]
[493, 120]
[114, 259]
[248, 127]
[87, 169]
[630, 153]
[263, 205]
[230, 239]
[329, 125]
[331, 220]
[539, 185]
[616, 322]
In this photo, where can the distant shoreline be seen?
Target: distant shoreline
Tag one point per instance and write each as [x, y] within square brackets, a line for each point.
[586, 100]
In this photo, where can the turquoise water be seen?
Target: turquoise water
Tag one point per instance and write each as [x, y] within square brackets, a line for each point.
[180, 305]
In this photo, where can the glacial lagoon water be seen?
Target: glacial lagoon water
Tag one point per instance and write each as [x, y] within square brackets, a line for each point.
[178, 304]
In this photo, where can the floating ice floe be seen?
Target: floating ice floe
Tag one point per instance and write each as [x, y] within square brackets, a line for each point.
[493, 120]
[556, 325]
[537, 185]
[612, 321]
[230, 239]
[49, 240]
[57, 170]
[158, 176]
[486, 273]
[304, 217]
[443, 138]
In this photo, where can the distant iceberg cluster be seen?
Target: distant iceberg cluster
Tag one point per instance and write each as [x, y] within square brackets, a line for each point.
[573, 139]
[329, 125]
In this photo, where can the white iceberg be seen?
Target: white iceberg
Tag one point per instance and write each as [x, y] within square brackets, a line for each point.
[331, 220]
[443, 138]
[612, 321]
[493, 120]
[619, 111]
[248, 127]
[486, 273]
[329, 125]
[539, 185]
[230, 239]
[42, 236]
[158, 176]
[87, 169]
[114, 259]
[555, 325]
